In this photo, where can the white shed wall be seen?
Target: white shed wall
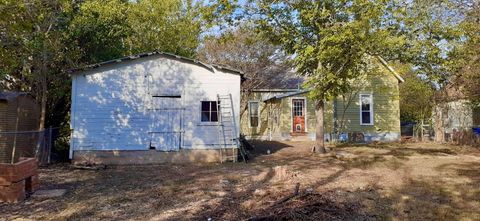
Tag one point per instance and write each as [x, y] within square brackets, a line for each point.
[113, 106]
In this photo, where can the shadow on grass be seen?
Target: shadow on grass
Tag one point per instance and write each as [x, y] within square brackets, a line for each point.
[415, 200]
[398, 150]
[422, 151]
[142, 192]
[263, 147]
[435, 200]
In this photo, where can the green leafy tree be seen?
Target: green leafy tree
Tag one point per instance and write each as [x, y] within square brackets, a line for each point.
[168, 25]
[100, 29]
[466, 66]
[331, 42]
[416, 98]
[433, 29]
[34, 51]
[219, 14]
[110, 29]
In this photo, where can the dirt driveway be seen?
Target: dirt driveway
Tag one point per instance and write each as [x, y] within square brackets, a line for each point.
[417, 181]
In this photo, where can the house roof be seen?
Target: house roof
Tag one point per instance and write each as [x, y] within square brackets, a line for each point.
[293, 92]
[211, 67]
[290, 81]
[8, 96]
[281, 96]
[287, 80]
[277, 78]
[274, 89]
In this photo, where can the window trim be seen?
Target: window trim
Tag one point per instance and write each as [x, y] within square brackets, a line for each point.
[372, 120]
[201, 111]
[258, 112]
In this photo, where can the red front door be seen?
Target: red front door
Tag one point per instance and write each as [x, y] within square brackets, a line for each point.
[298, 110]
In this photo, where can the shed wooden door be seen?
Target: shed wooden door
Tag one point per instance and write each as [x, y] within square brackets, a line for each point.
[166, 119]
[298, 115]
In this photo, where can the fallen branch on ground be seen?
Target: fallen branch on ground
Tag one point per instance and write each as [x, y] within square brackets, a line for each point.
[95, 167]
[287, 198]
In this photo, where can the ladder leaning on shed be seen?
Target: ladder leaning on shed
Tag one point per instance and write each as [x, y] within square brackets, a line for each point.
[228, 130]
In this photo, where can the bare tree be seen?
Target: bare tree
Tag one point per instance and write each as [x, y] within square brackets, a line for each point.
[263, 63]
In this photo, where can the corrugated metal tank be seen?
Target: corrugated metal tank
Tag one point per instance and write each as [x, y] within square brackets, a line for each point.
[19, 121]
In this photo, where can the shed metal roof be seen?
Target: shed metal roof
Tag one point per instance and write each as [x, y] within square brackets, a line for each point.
[211, 67]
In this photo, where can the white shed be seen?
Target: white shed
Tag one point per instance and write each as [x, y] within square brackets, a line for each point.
[153, 108]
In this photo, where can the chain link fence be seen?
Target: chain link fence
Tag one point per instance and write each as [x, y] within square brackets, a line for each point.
[38, 144]
[419, 132]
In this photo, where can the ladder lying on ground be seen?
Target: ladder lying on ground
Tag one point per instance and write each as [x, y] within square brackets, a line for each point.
[228, 130]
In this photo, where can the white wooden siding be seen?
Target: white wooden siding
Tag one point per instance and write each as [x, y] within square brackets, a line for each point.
[113, 109]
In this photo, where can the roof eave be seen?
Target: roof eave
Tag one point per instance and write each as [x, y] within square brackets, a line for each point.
[274, 90]
[148, 54]
[390, 68]
[278, 97]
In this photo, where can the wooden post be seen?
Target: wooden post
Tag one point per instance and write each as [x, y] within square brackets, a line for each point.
[50, 143]
[421, 130]
[15, 136]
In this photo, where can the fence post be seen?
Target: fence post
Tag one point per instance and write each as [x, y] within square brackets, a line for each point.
[415, 132]
[15, 138]
[50, 143]
[421, 130]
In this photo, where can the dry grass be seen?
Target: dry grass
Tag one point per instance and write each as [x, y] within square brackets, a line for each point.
[419, 181]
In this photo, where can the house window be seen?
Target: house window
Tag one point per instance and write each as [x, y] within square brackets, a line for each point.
[366, 109]
[253, 113]
[209, 111]
[297, 108]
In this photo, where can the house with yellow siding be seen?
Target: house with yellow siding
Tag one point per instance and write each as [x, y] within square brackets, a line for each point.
[369, 112]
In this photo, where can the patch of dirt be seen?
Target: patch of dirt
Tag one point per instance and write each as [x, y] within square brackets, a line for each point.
[411, 181]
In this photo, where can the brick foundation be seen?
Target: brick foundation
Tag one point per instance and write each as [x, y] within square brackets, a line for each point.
[17, 179]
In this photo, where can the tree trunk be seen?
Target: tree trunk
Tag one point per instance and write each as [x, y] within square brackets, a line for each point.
[439, 118]
[244, 102]
[319, 141]
[43, 104]
[43, 90]
[421, 130]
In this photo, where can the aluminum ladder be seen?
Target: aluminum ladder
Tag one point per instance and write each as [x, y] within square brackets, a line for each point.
[228, 129]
